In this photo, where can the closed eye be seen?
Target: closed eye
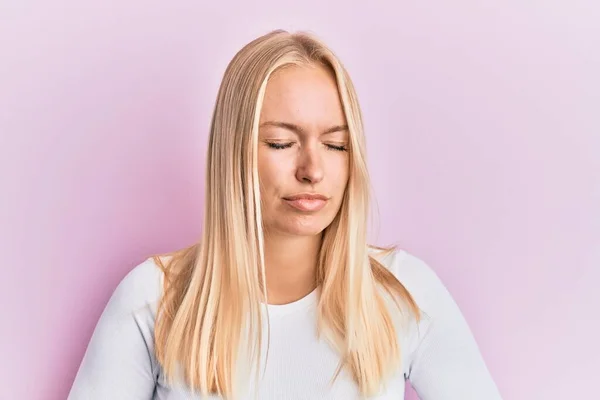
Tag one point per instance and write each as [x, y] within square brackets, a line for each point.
[279, 146]
[336, 148]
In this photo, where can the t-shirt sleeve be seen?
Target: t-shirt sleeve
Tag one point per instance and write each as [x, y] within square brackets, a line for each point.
[445, 362]
[119, 362]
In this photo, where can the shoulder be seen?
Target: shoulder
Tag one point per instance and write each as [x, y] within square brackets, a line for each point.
[139, 290]
[436, 305]
[418, 277]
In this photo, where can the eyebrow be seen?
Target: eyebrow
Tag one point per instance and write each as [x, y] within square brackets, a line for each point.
[297, 129]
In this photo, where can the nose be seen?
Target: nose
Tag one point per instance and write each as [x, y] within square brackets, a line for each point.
[310, 166]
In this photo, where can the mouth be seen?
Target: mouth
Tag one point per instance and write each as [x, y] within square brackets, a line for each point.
[308, 202]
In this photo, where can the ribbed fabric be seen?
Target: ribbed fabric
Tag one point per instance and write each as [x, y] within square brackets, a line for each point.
[440, 356]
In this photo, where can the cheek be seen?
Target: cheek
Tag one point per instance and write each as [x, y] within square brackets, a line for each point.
[338, 172]
[270, 173]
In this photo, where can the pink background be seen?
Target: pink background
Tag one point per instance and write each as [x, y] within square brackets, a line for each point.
[483, 133]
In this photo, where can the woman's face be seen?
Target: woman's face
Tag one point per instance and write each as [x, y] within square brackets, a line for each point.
[302, 151]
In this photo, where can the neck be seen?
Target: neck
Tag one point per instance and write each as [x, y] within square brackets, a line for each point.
[290, 266]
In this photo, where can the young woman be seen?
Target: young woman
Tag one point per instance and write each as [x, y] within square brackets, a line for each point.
[282, 297]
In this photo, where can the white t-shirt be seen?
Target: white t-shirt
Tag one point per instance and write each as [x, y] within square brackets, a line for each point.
[440, 356]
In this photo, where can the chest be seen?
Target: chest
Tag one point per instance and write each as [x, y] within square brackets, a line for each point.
[297, 366]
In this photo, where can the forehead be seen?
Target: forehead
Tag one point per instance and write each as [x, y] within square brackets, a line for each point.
[304, 95]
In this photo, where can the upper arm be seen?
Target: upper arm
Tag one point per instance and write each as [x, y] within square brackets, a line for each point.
[119, 361]
[446, 363]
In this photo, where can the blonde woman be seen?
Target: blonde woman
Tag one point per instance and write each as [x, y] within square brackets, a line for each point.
[282, 297]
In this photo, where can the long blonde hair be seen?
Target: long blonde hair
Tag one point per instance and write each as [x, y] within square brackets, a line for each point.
[213, 291]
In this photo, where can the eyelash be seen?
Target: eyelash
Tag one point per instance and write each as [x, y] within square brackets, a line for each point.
[280, 146]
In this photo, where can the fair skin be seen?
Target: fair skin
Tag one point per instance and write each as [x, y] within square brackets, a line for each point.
[302, 149]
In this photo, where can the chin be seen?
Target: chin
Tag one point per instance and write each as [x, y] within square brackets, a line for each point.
[303, 228]
[304, 231]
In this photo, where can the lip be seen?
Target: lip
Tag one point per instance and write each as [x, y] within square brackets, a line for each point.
[306, 196]
[306, 201]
